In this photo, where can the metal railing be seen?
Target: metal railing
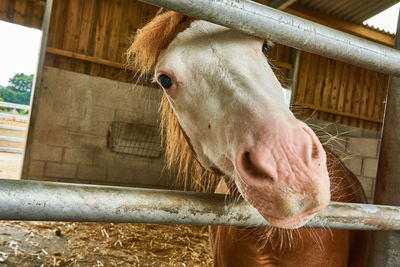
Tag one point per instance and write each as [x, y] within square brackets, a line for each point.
[12, 118]
[13, 105]
[48, 201]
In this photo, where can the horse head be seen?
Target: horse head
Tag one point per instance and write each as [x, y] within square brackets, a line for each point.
[231, 111]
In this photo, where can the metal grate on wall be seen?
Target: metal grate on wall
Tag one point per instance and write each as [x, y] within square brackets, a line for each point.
[135, 139]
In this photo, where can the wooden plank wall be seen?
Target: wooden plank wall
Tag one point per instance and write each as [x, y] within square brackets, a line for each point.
[338, 92]
[23, 12]
[91, 36]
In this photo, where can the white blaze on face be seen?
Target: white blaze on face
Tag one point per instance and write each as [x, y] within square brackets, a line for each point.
[221, 81]
[231, 106]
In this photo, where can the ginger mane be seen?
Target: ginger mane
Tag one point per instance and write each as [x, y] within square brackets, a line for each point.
[142, 57]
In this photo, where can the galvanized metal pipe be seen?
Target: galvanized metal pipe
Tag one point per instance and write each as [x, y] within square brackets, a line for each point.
[265, 22]
[47, 201]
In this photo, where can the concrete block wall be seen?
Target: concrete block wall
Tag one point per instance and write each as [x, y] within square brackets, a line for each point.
[363, 161]
[69, 141]
[357, 147]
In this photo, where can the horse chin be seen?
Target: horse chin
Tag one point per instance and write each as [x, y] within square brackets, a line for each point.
[296, 221]
[289, 223]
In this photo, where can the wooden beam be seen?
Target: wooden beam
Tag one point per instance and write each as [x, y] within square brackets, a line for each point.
[70, 54]
[110, 63]
[337, 112]
[339, 24]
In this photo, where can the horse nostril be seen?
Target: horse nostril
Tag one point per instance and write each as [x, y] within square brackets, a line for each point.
[252, 169]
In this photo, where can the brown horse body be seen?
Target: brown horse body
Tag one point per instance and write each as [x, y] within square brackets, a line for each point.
[240, 246]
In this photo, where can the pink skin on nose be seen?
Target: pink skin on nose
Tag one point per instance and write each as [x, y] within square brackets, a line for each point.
[283, 174]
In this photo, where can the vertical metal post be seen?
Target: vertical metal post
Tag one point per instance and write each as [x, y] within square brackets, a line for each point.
[385, 245]
[295, 55]
[36, 85]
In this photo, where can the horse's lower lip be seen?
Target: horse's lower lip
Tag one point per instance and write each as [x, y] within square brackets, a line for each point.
[296, 221]
[291, 223]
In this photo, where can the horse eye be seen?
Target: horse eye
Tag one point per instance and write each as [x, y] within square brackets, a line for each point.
[165, 81]
[265, 48]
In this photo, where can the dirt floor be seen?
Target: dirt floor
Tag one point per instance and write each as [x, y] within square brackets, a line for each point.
[10, 165]
[102, 244]
[97, 244]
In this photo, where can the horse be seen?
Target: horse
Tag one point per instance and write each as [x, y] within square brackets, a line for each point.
[224, 120]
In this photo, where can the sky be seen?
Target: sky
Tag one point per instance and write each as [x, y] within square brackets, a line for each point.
[19, 50]
[386, 20]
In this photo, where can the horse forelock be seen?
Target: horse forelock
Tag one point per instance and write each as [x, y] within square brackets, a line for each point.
[142, 56]
[154, 37]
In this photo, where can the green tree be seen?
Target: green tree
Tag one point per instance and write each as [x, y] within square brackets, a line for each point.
[19, 90]
[21, 82]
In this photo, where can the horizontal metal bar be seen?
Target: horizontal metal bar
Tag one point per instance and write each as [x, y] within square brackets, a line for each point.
[12, 128]
[12, 116]
[46, 201]
[265, 22]
[12, 150]
[12, 105]
[12, 139]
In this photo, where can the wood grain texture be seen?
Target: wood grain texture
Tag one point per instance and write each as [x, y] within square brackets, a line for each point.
[338, 92]
[23, 12]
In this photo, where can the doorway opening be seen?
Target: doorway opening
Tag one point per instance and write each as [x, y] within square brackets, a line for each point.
[19, 54]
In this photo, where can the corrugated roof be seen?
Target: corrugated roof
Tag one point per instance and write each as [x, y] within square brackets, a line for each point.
[377, 29]
[351, 10]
